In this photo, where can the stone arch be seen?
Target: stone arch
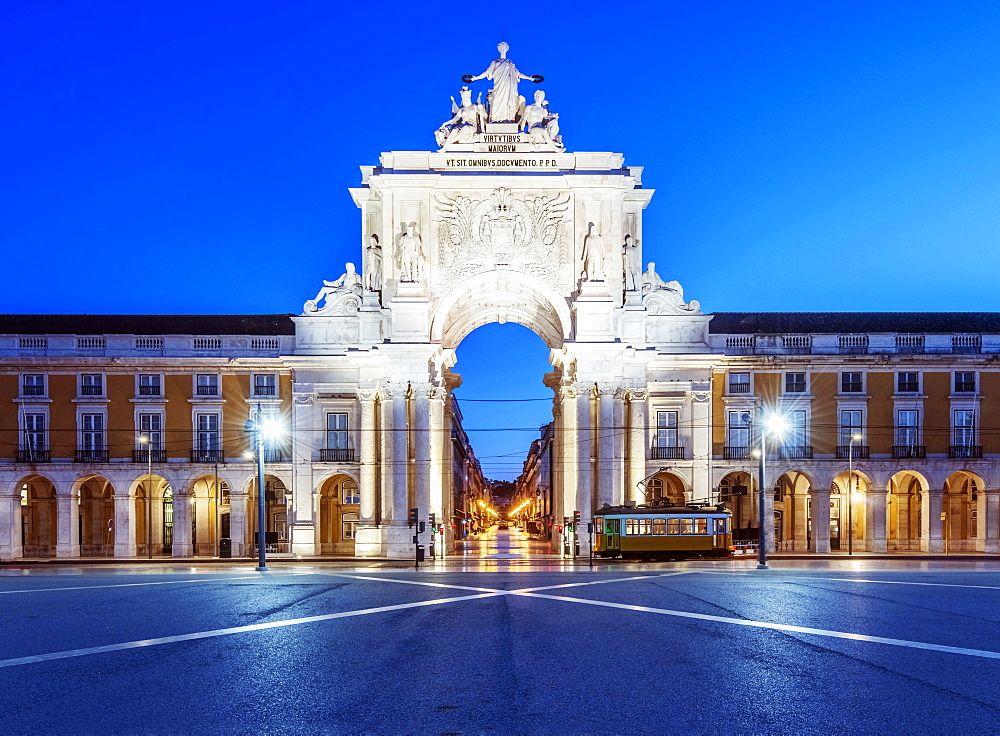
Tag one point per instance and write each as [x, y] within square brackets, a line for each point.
[734, 490]
[667, 485]
[151, 495]
[98, 532]
[907, 491]
[38, 517]
[209, 503]
[277, 502]
[964, 505]
[501, 296]
[792, 495]
[338, 513]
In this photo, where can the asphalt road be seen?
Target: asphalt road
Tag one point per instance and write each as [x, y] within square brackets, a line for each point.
[887, 648]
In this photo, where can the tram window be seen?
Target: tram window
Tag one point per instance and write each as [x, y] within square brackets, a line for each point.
[673, 526]
[659, 526]
[645, 526]
[702, 526]
[631, 526]
[719, 526]
[599, 525]
[687, 527]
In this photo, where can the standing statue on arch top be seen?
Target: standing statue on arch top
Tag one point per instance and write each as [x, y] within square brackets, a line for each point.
[503, 100]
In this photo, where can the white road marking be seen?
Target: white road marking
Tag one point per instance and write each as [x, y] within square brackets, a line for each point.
[33, 659]
[601, 582]
[408, 582]
[777, 627]
[129, 585]
[862, 580]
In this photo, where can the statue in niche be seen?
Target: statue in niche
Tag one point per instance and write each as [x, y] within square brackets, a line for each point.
[633, 267]
[541, 124]
[373, 264]
[410, 254]
[665, 296]
[348, 284]
[466, 120]
[502, 100]
[593, 254]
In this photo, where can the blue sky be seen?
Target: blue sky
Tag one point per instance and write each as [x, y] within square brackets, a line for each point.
[182, 157]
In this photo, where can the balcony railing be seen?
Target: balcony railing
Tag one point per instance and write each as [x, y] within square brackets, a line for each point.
[91, 390]
[34, 456]
[332, 455]
[667, 453]
[900, 452]
[274, 455]
[264, 390]
[142, 455]
[208, 391]
[206, 456]
[91, 456]
[739, 388]
[149, 390]
[736, 453]
[32, 390]
[967, 451]
[965, 387]
[796, 452]
[860, 452]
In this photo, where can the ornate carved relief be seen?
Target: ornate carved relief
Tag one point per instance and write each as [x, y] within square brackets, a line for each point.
[480, 235]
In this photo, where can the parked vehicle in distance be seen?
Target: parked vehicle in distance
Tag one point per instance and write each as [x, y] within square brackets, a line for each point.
[502, 525]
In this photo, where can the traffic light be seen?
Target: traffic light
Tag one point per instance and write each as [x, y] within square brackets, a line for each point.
[576, 520]
[433, 524]
[420, 527]
[412, 518]
[568, 523]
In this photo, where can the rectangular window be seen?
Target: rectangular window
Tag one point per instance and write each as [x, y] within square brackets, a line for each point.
[965, 381]
[33, 384]
[906, 428]
[850, 425]
[645, 526]
[93, 431]
[739, 383]
[208, 384]
[964, 428]
[350, 492]
[666, 429]
[687, 526]
[91, 384]
[659, 526]
[265, 384]
[149, 384]
[151, 427]
[631, 527]
[719, 526]
[673, 526]
[34, 432]
[908, 382]
[797, 433]
[336, 431]
[850, 383]
[208, 432]
[738, 430]
[795, 383]
[350, 522]
[701, 526]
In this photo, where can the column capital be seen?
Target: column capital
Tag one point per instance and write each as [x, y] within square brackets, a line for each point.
[421, 390]
[607, 389]
[367, 394]
[638, 394]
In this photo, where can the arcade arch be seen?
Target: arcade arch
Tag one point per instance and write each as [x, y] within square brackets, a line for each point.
[97, 533]
[39, 533]
[906, 514]
[339, 502]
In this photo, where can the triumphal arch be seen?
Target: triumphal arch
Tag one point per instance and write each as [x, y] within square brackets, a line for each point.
[501, 222]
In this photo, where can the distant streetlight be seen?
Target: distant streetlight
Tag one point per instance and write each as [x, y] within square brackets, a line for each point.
[259, 429]
[850, 492]
[145, 439]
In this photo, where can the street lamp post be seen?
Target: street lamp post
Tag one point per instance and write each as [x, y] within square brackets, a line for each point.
[850, 492]
[145, 439]
[776, 424]
[258, 429]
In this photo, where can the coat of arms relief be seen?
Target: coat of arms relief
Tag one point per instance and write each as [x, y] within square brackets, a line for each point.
[525, 234]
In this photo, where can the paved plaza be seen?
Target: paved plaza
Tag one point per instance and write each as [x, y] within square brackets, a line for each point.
[502, 641]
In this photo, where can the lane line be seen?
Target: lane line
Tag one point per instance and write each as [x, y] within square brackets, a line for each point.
[129, 585]
[862, 580]
[33, 659]
[600, 582]
[776, 627]
[410, 582]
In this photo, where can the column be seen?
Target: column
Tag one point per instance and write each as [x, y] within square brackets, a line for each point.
[768, 491]
[181, 546]
[124, 525]
[991, 543]
[606, 438]
[566, 433]
[238, 521]
[399, 459]
[11, 544]
[620, 461]
[637, 444]
[819, 506]
[800, 535]
[439, 504]
[420, 395]
[876, 518]
[932, 504]
[67, 521]
[303, 508]
[700, 450]
[367, 470]
[585, 450]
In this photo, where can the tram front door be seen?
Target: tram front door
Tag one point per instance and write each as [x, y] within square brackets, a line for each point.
[613, 540]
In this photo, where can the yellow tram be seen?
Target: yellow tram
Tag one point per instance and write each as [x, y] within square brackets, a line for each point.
[663, 531]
